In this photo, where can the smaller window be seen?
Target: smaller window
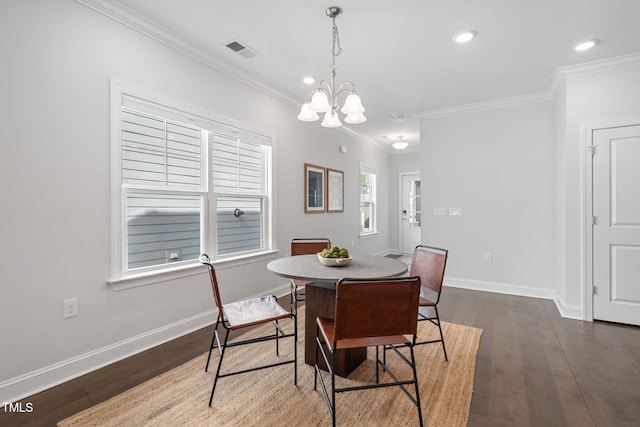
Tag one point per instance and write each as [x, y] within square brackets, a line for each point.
[239, 186]
[367, 201]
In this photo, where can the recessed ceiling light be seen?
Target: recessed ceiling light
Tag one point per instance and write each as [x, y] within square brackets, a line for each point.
[464, 36]
[309, 80]
[585, 45]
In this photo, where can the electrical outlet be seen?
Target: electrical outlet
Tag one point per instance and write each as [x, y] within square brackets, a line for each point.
[488, 256]
[70, 308]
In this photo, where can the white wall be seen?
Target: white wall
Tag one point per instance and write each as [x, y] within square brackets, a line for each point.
[519, 175]
[498, 166]
[57, 61]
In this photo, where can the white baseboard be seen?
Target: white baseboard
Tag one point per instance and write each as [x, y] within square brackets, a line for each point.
[501, 288]
[566, 311]
[569, 311]
[41, 379]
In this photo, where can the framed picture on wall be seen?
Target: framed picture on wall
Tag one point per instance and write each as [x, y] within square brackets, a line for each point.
[314, 192]
[335, 190]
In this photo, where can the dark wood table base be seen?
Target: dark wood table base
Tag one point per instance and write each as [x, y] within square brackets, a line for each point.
[320, 301]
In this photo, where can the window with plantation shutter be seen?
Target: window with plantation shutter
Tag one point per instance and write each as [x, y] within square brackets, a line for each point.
[185, 184]
[237, 165]
[163, 226]
[239, 187]
[159, 153]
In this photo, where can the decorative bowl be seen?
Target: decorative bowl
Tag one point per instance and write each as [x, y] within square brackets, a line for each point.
[334, 262]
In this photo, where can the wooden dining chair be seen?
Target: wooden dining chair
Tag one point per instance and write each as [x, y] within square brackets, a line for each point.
[380, 312]
[429, 263]
[244, 314]
[304, 246]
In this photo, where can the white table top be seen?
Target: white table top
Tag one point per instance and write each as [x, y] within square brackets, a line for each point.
[308, 267]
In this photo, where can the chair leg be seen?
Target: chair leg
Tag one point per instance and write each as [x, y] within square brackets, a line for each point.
[213, 341]
[315, 363]
[333, 388]
[215, 380]
[294, 301]
[441, 336]
[436, 321]
[384, 357]
[415, 378]
[277, 338]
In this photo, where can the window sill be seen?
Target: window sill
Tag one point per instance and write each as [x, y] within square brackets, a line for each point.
[368, 235]
[182, 271]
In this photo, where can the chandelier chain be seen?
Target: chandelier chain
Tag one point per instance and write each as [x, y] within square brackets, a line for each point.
[336, 44]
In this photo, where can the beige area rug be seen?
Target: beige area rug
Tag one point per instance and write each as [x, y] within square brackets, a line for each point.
[269, 398]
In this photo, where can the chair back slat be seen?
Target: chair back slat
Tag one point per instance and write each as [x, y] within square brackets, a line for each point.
[382, 307]
[309, 246]
[204, 259]
[429, 263]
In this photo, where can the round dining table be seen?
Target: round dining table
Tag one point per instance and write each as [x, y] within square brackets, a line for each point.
[309, 267]
[320, 295]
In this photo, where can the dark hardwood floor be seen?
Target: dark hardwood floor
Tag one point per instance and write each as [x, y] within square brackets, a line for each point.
[533, 368]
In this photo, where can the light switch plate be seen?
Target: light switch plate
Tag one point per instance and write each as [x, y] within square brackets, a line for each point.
[439, 210]
[455, 211]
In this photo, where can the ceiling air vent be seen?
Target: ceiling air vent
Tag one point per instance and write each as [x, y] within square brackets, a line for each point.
[241, 49]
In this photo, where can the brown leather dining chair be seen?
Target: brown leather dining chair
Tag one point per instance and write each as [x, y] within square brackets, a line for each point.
[379, 312]
[304, 246]
[244, 314]
[429, 263]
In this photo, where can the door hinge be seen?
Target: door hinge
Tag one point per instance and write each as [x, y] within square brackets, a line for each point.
[594, 220]
[595, 290]
[592, 149]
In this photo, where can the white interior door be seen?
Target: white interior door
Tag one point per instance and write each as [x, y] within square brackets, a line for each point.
[410, 215]
[616, 229]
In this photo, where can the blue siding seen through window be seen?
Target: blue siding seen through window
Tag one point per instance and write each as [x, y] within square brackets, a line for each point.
[162, 229]
[238, 233]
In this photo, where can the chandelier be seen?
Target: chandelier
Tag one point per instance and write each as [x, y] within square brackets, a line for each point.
[400, 144]
[324, 99]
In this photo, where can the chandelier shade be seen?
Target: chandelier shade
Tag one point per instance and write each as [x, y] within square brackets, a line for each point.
[352, 105]
[354, 119]
[324, 99]
[331, 120]
[320, 102]
[307, 115]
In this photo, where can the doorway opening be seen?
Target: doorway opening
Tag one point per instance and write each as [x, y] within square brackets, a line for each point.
[410, 211]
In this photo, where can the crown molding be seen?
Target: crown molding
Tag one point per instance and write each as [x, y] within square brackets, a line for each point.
[485, 105]
[604, 65]
[560, 77]
[119, 12]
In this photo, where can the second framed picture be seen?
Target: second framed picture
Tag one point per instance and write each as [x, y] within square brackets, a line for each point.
[335, 190]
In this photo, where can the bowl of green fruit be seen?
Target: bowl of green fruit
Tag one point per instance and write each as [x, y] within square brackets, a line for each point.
[334, 257]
